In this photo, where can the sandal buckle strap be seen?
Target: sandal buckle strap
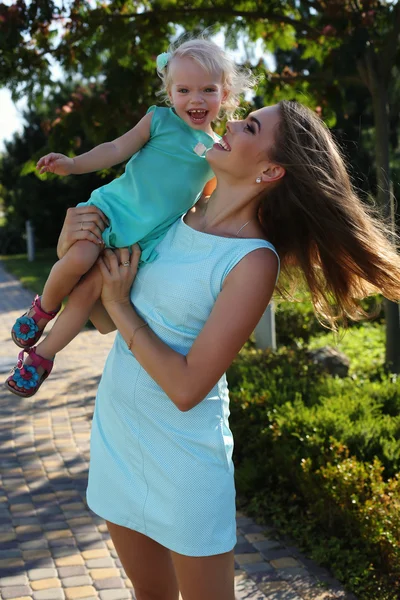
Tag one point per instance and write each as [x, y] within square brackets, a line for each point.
[40, 313]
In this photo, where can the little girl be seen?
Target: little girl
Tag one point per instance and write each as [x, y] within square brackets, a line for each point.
[163, 179]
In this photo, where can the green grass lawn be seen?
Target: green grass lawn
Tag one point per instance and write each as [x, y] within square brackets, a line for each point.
[364, 345]
[31, 274]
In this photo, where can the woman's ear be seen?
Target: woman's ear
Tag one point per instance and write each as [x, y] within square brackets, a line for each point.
[273, 173]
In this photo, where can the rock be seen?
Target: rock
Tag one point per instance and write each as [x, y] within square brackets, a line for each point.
[331, 360]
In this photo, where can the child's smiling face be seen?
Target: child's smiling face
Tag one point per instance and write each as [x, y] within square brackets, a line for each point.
[195, 93]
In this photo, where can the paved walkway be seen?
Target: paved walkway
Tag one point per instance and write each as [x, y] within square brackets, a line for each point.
[52, 547]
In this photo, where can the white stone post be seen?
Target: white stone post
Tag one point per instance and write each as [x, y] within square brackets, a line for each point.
[265, 333]
[30, 241]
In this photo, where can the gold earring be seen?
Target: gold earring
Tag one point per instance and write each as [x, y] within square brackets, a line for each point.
[258, 180]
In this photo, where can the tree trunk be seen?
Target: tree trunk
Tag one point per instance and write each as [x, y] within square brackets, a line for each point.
[381, 118]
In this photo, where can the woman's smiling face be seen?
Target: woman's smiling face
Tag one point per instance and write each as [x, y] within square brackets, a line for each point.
[244, 149]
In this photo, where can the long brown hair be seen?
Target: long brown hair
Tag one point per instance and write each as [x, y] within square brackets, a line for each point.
[317, 222]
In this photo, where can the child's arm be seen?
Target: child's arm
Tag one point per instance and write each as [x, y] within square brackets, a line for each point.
[101, 157]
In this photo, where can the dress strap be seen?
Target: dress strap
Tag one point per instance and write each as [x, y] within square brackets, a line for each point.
[241, 252]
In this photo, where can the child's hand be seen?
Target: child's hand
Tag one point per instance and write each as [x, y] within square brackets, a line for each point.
[56, 163]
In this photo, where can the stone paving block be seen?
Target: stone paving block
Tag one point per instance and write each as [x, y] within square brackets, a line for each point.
[284, 563]
[45, 584]
[279, 591]
[92, 545]
[103, 573]
[267, 545]
[52, 594]
[258, 567]
[13, 581]
[115, 594]
[70, 561]
[100, 563]
[88, 528]
[64, 572]
[62, 542]
[244, 548]
[10, 553]
[275, 553]
[83, 538]
[35, 554]
[76, 581]
[91, 554]
[35, 574]
[14, 591]
[27, 506]
[52, 525]
[40, 563]
[252, 528]
[59, 551]
[109, 583]
[246, 589]
[80, 592]
[17, 522]
[6, 563]
[7, 537]
[244, 559]
[292, 574]
[34, 545]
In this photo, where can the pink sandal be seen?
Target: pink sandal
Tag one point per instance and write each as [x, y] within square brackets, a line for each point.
[25, 332]
[26, 377]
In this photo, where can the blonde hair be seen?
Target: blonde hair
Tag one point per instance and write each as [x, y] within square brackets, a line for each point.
[212, 59]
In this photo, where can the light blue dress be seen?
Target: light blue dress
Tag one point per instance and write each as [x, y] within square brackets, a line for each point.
[160, 183]
[154, 469]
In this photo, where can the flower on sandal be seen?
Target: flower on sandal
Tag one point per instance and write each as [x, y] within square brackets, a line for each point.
[25, 328]
[26, 377]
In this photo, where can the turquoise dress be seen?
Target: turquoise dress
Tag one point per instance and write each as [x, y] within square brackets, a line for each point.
[155, 469]
[160, 183]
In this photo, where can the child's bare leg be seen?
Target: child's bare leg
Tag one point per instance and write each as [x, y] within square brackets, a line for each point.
[67, 272]
[62, 279]
[74, 316]
[71, 320]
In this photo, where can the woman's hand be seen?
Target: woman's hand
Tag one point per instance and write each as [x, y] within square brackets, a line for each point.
[81, 223]
[119, 271]
[56, 163]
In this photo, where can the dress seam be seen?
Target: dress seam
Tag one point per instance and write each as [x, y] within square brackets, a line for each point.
[141, 451]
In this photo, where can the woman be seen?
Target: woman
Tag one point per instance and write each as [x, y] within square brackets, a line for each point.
[161, 472]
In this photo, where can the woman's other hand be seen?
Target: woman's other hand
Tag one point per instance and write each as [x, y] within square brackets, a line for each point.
[119, 270]
[81, 223]
[56, 163]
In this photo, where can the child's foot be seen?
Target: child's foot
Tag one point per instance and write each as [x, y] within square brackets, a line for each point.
[27, 330]
[27, 376]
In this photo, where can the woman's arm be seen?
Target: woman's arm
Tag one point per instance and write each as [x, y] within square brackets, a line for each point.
[102, 156]
[188, 379]
[101, 319]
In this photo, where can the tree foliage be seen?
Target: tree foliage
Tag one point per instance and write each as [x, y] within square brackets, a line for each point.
[341, 57]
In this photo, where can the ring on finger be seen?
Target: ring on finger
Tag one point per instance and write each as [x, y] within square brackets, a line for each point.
[126, 263]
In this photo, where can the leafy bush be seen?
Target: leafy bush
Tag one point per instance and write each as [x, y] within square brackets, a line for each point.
[363, 345]
[296, 321]
[11, 240]
[316, 455]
